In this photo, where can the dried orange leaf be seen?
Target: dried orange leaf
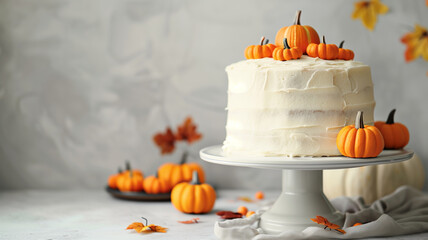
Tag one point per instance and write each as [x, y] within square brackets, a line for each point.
[137, 226]
[246, 199]
[357, 224]
[187, 131]
[193, 220]
[165, 141]
[323, 221]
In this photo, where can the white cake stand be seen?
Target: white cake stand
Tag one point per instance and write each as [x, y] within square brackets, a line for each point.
[302, 194]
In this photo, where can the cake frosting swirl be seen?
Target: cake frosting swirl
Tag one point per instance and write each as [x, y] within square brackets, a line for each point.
[294, 108]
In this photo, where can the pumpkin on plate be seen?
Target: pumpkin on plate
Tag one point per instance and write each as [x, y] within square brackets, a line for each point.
[112, 180]
[374, 182]
[263, 50]
[130, 182]
[345, 54]
[323, 50]
[176, 173]
[155, 185]
[359, 140]
[193, 197]
[396, 135]
[286, 53]
[297, 35]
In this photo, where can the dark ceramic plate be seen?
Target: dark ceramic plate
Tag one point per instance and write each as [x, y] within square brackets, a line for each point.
[138, 196]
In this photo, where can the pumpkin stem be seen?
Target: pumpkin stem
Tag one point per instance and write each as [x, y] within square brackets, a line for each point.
[341, 44]
[297, 18]
[262, 40]
[119, 170]
[146, 220]
[127, 165]
[286, 46]
[323, 39]
[359, 122]
[184, 157]
[195, 178]
[390, 119]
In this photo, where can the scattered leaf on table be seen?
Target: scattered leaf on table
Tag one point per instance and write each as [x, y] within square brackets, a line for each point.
[140, 227]
[187, 131]
[323, 221]
[357, 224]
[245, 199]
[165, 141]
[193, 220]
[367, 11]
[229, 214]
[417, 43]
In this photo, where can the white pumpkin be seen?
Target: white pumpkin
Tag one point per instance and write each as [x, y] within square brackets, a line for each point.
[374, 182]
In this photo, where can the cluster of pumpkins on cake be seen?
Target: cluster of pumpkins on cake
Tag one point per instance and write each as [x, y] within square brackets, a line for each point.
[356, 141]
[293, 41]
[183, 181]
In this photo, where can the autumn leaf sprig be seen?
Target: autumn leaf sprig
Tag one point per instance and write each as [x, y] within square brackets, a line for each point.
[187, 131]
[416, 44]
[367, 11]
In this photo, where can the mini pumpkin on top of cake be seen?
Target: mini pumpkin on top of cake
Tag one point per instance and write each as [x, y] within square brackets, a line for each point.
[293, 100]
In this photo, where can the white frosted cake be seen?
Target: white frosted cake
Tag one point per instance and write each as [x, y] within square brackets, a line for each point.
[294, 108]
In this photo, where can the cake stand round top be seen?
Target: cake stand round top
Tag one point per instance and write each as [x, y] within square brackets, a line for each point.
[215, 154]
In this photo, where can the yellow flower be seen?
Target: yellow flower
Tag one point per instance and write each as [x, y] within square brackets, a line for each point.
[368, 11]
[417, 43]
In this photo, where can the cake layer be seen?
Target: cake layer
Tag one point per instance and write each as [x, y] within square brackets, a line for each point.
[294, 107]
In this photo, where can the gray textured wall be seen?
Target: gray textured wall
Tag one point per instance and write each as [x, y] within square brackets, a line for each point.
[85, 84]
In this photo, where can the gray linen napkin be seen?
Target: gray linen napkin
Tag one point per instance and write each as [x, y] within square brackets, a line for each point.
[403, 212]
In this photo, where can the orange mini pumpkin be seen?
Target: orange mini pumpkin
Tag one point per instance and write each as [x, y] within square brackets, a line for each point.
[263, 50]
[130, 182]
[297, 35]
[193, 197]
[112, 180]
[359, 140]
[286, 53]
[155, 185]
[177, 173]
[395, 135]
[323, 50]
[345, 54]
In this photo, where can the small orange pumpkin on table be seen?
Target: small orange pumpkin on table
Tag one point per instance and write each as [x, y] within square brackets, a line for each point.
[263, 50]
[345, 54]
[298, 35]
[193, 197]
[323, 50]
[395, 135]
[286, 53]
[359, 140]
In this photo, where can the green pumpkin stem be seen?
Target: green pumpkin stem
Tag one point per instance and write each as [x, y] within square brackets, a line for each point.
[359, 122]
[184, 157]
[128, 165]
[119, 170]
[286, 46]
[341, 44]
[262, 40]
[297, 18]
[390, 119]
[323, 39]
[195, 178]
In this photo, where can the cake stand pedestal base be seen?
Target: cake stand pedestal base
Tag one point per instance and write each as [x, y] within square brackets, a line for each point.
[302, 198]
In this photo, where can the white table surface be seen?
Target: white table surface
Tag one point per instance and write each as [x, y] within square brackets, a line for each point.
[84, 214]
